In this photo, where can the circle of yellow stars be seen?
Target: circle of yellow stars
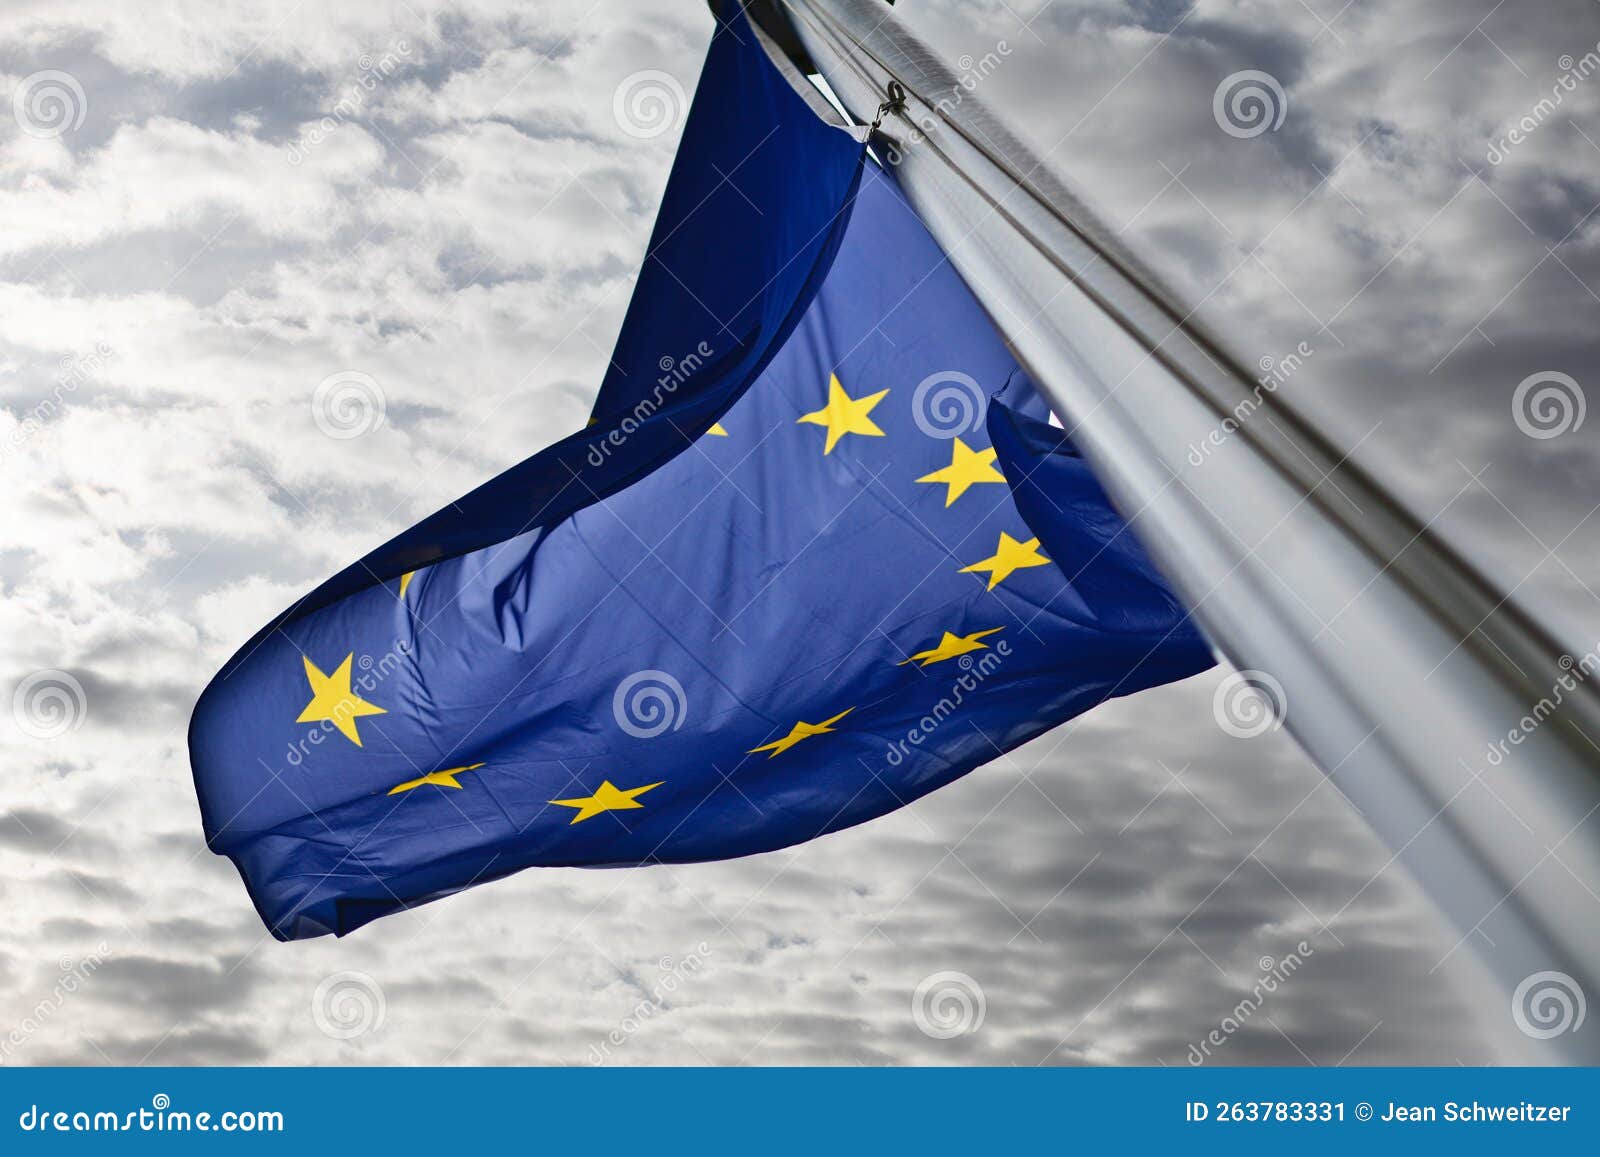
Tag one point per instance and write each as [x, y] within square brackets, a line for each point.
[333, 700]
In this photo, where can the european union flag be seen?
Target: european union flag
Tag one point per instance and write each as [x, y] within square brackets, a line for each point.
[818, 553]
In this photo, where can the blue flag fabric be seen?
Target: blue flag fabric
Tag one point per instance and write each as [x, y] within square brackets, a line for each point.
[748, 225]
[840, 587]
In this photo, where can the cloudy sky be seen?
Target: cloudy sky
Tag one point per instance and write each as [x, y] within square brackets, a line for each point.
[212, 207]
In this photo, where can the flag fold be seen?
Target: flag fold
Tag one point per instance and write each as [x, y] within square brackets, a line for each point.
[818, 554]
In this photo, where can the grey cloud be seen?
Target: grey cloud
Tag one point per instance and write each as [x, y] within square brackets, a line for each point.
[174, 990]
[33, 831]
[69, 928]
[132, 704]
[1122, 935]
[75, 888]
[198, 1046]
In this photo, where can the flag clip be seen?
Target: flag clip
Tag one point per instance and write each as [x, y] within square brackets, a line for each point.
[895, 104]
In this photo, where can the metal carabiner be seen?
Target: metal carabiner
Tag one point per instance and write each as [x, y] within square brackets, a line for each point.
[895, 104]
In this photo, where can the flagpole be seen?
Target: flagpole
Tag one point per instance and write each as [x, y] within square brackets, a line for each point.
[1453, 722]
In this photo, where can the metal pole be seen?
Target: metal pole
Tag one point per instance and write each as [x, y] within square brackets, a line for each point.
[1452, 720]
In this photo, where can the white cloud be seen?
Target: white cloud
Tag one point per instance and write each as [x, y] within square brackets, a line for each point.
[167, 174]
[468, 240]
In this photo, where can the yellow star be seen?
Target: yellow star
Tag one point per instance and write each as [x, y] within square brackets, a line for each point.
[967, 467]
[799, 731]
[438, 778]
[844, 414]
[952, 645]
[1010, 555]
[405, 581]
[607, 798]
[332, 700]
[717, 430]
